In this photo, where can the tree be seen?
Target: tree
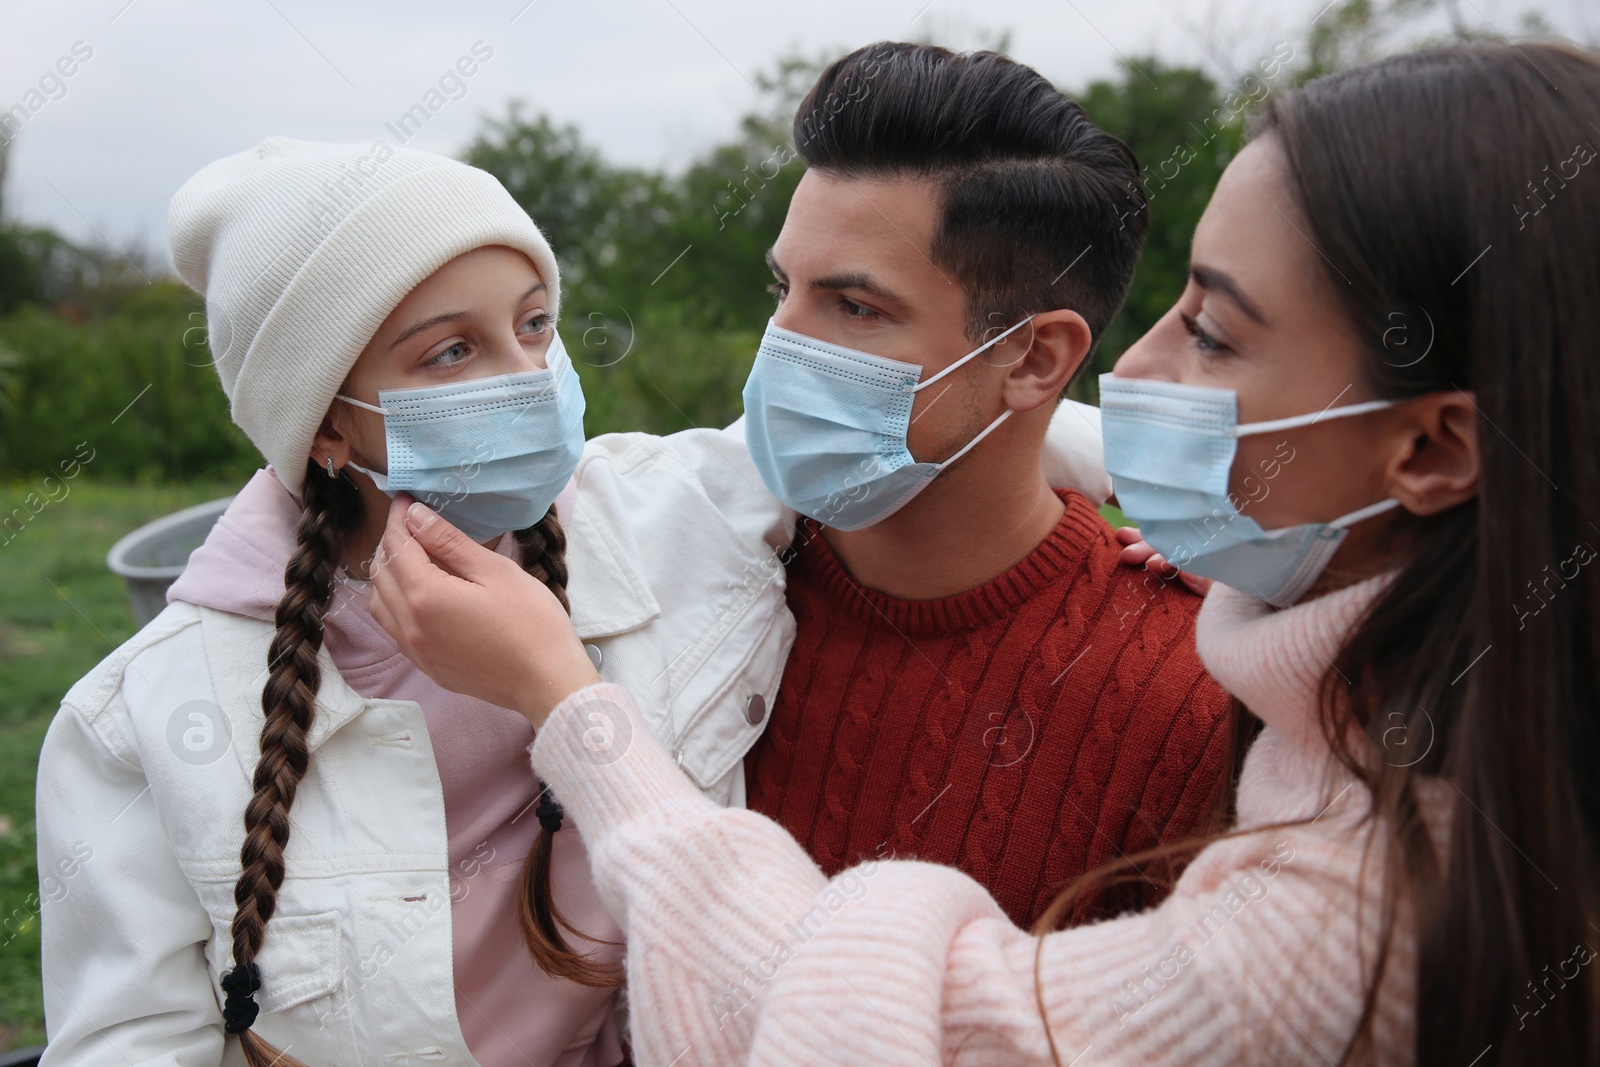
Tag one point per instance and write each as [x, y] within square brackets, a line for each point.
[1183, 131]
[671, 269]
[663, 277]
[18, 276]
[594, 214]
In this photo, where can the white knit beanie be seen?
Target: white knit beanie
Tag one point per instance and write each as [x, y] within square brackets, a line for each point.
[303, 249]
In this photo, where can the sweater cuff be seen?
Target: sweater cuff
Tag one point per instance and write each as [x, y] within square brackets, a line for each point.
[601, 761]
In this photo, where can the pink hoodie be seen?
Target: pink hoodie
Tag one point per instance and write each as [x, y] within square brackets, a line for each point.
[511, 1012]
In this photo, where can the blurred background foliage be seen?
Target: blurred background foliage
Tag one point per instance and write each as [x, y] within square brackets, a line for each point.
[664, 295]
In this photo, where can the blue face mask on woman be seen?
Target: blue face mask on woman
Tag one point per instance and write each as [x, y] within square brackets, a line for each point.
[826, 426]
[489, 454]
[1169, 450]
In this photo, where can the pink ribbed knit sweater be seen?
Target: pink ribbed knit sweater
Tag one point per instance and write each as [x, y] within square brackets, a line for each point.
[739, 950]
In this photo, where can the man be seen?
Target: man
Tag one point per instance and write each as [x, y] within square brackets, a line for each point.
[975, 679]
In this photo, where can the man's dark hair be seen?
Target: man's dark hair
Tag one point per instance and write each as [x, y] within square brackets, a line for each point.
[1041, 208]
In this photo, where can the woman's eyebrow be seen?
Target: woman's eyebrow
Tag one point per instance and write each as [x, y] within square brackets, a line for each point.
[1213, 279]
[452, 316]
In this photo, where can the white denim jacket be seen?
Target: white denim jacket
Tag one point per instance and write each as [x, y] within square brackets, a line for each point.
[675, 585]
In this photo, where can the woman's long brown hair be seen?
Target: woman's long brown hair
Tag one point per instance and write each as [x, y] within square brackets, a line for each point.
[1454, 195]
[332, 508]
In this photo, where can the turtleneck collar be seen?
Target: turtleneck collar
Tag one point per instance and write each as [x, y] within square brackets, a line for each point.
[1274, 661]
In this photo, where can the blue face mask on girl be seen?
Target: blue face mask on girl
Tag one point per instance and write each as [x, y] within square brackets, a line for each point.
[826, 426]
[490, 454]
[1169, 450]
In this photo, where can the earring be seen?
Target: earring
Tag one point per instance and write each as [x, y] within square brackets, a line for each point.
[331, 473]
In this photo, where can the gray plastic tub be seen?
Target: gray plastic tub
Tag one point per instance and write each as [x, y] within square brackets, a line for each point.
[150, 558]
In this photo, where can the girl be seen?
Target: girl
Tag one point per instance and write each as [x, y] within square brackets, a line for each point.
[395, 887]
[303, 850]
[1390, 325]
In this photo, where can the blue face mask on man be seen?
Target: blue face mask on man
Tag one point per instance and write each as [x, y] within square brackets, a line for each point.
[1169, 450]
[489, 454]
[826, 426]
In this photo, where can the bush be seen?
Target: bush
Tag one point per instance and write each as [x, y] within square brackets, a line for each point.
[138, 387]
[663, 284]
[136, 384]
[674, 374]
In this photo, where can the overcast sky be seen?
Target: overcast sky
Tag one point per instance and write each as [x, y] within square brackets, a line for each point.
[170, 85]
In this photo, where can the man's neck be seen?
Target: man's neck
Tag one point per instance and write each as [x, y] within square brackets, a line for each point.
[952, 537]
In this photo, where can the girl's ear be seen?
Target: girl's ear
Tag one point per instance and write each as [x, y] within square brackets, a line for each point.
[330, 443]
[1438, 466]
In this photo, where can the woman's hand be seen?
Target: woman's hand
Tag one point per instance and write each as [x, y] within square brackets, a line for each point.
[1136, 550]
[471, 619]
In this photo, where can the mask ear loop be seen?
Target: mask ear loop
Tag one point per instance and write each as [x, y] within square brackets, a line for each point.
[1025, 348]
[379, 479]
[1004, 415]
[1296, 421]
[358, 403]
[996, 339]
[1361, 514]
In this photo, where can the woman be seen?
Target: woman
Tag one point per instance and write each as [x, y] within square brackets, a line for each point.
[1372, 411]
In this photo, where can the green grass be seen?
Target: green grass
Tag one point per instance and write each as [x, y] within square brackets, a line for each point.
[1111, 514]
[61, 611]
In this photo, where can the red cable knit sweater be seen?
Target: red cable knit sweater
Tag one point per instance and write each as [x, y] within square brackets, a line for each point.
[1024, 731]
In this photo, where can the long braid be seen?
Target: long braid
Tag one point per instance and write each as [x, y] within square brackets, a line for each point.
[544, 550]
[544, 555]
[332, 508]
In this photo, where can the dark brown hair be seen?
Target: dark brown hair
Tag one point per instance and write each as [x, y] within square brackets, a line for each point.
[1041, 208]
[1435, 185]
[1404, 206]
[332, 508]
[544, 555]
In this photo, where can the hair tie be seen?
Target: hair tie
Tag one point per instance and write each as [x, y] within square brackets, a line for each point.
[239, 1011]
[550, 811]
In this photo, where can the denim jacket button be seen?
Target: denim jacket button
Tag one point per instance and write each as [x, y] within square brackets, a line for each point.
[755, 709]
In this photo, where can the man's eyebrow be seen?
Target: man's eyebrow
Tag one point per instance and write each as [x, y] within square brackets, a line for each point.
[856, 279]
[851, 279]
[452, 316]
[1220, 281]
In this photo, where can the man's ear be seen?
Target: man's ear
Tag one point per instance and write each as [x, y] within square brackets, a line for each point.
[1057, 343]
[1436, 466]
